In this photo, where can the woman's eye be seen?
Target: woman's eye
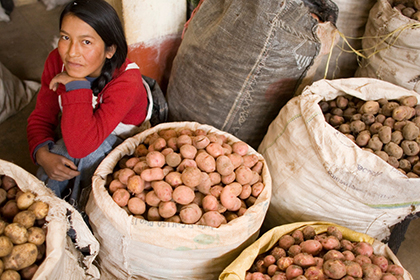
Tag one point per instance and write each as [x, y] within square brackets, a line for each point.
[64, 37]
[86, 42]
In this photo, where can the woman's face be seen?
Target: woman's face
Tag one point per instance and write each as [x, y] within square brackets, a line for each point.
[81, 48]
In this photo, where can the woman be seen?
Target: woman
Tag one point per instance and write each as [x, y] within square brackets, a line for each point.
[91, 91]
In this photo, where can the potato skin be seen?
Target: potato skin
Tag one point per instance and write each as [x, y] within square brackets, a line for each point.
[5, 246]
[22, 255]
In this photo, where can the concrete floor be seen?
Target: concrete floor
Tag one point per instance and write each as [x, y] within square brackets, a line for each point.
[24, 45]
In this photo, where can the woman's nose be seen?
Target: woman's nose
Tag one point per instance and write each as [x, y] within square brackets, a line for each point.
[73, 49]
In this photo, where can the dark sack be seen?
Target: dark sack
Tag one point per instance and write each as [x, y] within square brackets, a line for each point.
[240, 62]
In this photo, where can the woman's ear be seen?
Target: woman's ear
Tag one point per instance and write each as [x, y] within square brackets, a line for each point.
[110, 51]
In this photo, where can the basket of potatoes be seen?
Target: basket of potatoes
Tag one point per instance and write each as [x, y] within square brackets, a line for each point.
[179, 200]
[33, 232]
[315, 250]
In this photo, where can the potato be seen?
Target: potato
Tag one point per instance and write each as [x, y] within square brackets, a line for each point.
[114, 185]
[293, 271]
[334, 269]
[370, 107]
[152, 174]
[410, 148]
[17, 233]
[331, 243]
[25, 218]
[191, 176]
[173, 159]
[36, 235]
[153, 214]
[229, 197]
[353, 269]
[401, 113]
[205, 184]
[188, 151]
[124, 174]
[6, 246]
[10, 275]
[22, 255]
[190, 213]
[224, 165]
[304, 260]
[393, 150]
[183, 195]
[286, 241]
[121, 197]
[205, 162]
[184, 139]
[135, 184]
[410, 131]
[162, 190]
[152, 199]
[10, 209]
[371, 271]
[240, 148]
[167, 209]
[3, 225]
[380, 261]
[212, 219]
[200, 141]
[7, 182]
[140, 166]
[25, 200]
[28, 272]
[363, 248]
[136, 206]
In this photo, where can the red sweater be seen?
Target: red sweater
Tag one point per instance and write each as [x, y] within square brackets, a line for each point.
[123, 100]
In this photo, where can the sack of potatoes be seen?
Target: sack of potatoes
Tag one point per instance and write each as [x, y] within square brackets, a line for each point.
[315, 250]
[33, 232]
[179, 200]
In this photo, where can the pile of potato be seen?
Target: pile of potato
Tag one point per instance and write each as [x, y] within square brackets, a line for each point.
[189, 177]
[22, 231]
[303, 254]
[409, 8]
[388, 128]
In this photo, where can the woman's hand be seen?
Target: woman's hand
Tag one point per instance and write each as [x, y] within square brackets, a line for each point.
[57, 167]
[62, 78]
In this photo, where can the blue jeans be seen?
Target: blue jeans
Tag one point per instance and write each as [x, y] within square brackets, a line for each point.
[76, 190]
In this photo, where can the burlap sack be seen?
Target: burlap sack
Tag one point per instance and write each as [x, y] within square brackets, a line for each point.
[320, 174]
[237, 269]
[64, 258]
[242, 61]
[391, 47]
[133, 248]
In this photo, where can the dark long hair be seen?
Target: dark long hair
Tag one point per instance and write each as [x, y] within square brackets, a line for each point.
[103, 18]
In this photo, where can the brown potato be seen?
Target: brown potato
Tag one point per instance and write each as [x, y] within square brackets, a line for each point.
[22, 256]
[40, 209]
[25, 200]
[17, 233]
[25, 218]
[36, 235]
[5, 246]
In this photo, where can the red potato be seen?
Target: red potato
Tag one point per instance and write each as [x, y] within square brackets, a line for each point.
[200, 141]
[167, 151]
[136, 206]
[158, 144]
[131, 162]
[141, 150]
[186, 163]
[240, 147]
[334, 255]
[167, 209]
[250, 160]
[388, 276]
[347, 244]
[152, 199]
[205, 162]
[236, 159]
[167, 169]
[115, 185]
[244, 175]
[183, 195]
[167, 133]
[184, 139]
[215, 149]
[224, 165]
[311, 246]
[215, 178]
[135, 184]
[190, 213]
[269, 260]
[155, 159]
[227, 179]
[140, 166]
[173, 159]
[348, 255]
[363, 248]
[188, 151]
[280, 276]
[294, 250]
[284, 262]
[212, 219]
[331, 242]
[162, 190]
[362, 259]
[174, 179]
[314, 273]
[293, 271]
[172, 143]
[227, 149]
[121, 197]
[286, 241]
[353, 269]
[278, 252]
[332, 230]
[191, 176]
[298, 236]
[380, 261]
[334, 269]
[153, 214]
[174, 219]
[152, 174]
[308, 232]
[210, 203]
[246, 192]
[216, 190]
[371, 271]
[395, 269]
[257, 189]
[304, 260]
[229, 197]
[124, 174]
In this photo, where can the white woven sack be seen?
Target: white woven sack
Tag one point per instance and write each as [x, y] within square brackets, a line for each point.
[395, 58]
[63, 259]
[320, 174]
[132, 248]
